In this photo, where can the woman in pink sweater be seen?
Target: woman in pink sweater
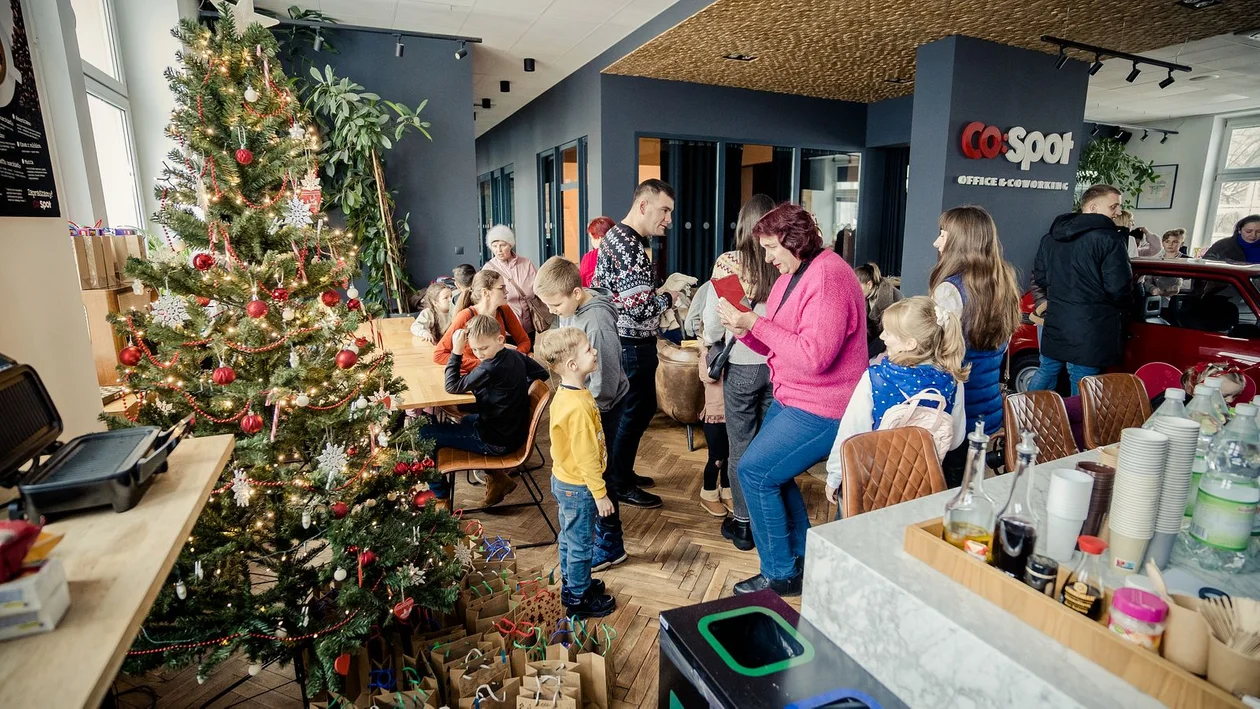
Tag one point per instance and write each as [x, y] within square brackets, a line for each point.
[814, 338]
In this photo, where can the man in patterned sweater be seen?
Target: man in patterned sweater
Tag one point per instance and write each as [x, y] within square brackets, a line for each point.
[625, 269]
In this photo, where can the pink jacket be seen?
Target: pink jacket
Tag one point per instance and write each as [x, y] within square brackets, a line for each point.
[816, 344]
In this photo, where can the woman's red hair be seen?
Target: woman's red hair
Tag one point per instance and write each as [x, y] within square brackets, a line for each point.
[599, 226]
[795, 229]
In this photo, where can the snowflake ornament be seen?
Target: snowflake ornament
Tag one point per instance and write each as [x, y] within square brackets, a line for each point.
[296, 131]
[296, 213]
[331, 461]
[413, 575]
[170, 310]
[273, 226]
[241, 489]
[464, 556]
[164, 406]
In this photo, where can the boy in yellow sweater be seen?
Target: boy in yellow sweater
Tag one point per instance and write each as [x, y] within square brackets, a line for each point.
[578, 458]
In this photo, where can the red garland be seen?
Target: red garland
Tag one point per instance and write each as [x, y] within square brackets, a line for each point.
[233, 636]
[193, 403]
[140, 341]
[357, 389]
[252, 350]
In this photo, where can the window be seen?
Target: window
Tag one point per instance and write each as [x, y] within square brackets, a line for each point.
[1236, 191]
[562, 201]
[495, 194]
[109, 109]
[1202, 304]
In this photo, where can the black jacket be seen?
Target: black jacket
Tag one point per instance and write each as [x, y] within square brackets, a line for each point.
[1226, 249]
[501, 386]
[1083, 266]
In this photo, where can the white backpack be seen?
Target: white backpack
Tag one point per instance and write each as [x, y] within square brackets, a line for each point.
[911, 412]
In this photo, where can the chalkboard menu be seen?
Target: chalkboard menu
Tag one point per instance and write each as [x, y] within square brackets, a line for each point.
[26, 177]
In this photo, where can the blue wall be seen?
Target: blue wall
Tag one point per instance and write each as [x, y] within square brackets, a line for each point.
[959, 80]
[888, 122]
[435, 181]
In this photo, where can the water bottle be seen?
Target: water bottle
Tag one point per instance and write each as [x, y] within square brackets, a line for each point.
[1201, 411]
[1218, 399]
[1219, 536]
[1174, 406]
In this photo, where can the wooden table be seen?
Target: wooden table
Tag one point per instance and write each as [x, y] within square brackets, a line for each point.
[115, 564]
[413, 361]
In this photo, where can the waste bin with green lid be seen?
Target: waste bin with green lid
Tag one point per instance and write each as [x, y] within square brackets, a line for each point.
[756, 652]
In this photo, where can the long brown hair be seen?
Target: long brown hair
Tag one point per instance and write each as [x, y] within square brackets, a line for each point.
[753, 268]
[486, 279]
[972, 251]
[935, 329]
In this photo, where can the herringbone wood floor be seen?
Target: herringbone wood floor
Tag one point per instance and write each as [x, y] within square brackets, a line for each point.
[677, 557]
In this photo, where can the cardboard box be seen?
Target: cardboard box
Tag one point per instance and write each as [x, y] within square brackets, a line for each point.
[41, 620]
[126, 246]
[32, 591]
[95, 256]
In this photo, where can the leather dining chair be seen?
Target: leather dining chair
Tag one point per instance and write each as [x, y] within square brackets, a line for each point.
[883, 468]
[1043, 413]
[1111, 403]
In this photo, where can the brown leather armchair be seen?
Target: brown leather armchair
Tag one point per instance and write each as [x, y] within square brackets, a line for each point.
[1043, 413]
[679, 391]
[1112, 403]
[883, 468]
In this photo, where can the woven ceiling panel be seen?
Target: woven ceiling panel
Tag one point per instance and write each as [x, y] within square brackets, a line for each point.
[849, 49]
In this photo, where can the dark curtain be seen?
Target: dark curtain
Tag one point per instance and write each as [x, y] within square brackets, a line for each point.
[690, 242]
[732, 197]
[892, 224]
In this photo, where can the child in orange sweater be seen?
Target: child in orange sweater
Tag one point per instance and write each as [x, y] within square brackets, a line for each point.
[488, 296]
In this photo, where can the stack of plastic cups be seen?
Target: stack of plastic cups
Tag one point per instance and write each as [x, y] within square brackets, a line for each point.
[1135, 497]
[1183, 436]
[1067, 506]
[1100, 499]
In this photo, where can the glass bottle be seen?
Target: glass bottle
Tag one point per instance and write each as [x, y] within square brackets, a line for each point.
[1218, 399]
[1174, 406]
[1083, 591]
[969, 516]
[1015, 532]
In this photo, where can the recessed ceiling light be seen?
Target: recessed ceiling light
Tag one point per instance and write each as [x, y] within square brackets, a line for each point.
[898, 80]
[735, 57]
[1204, 77]
[1198, 4]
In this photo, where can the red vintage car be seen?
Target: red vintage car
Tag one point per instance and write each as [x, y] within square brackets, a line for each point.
[1185, 311]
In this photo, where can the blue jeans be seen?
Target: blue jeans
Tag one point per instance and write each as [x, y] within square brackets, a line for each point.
[608, 534]
[789, 442]
[638, 359]
[1047, 376]
[462, 435]
[576, 509]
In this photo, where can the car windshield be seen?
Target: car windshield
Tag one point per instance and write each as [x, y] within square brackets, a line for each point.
[1204, 304]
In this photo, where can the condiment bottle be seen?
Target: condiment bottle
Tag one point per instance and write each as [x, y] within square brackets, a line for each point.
[1139, 617]
[1015, 533]
[968, 521]
[1041, 574]
[1084, 591]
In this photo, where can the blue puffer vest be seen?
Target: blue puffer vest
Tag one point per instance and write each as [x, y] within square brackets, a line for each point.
[983, 390]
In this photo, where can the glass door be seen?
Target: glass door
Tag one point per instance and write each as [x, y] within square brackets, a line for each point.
[495, 203]
[562, 201]
[829, 189]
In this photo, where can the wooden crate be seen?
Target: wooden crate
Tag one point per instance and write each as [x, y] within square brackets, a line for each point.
[1143, 669]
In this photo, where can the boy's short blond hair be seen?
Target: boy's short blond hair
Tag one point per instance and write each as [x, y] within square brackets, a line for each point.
[559, 276]
[557, 346]
[483, 326]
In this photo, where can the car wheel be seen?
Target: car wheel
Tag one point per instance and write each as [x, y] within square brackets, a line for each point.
[1023, 368]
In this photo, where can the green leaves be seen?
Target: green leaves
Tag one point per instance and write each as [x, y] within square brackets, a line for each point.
[1106, 161]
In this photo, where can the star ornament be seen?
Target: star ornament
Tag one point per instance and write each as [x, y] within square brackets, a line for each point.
[243, 16]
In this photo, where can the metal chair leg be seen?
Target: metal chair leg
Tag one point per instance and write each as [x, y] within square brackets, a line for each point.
[691, 438]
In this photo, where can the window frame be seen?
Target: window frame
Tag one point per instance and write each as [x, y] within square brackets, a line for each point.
[555, 200]
[1223, 174]
[97, 74]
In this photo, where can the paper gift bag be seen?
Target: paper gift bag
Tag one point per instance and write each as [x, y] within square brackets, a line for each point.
[563, 671]
[444, 635]
[596, 673]
[547, 691]
[482, 615]
[444, 665]
[483, 671]
[418, 693]
[334, 702]
[494, 697]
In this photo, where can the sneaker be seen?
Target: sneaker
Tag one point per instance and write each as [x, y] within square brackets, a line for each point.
[592, 606]
[642, 481]
[740, 534]
[606, 560]
[498, 486]
[638, 498]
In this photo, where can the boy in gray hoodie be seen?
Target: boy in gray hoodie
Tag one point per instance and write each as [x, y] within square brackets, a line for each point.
[559, 285]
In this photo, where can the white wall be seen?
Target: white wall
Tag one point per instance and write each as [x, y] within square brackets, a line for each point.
[1188, 150]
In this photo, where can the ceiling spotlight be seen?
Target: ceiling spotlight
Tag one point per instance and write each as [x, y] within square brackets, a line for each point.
[1096, 66]
[1167, 82]
[529, 64]
[398, 45]
[319, 40]
[1063, 57]
[1164, 139]
[462, 51]
[737, 57]
[1145, 133]
[505, 87]
[1133, 75]
[485, 103]
[1198, 4]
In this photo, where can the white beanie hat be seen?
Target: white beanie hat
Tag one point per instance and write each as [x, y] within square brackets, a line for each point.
[501, 232]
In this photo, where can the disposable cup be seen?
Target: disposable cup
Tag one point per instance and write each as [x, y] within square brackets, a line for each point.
[1069, 489]
[1061, 534]
[1160, 548]
[1231, 670]
[1127, 551]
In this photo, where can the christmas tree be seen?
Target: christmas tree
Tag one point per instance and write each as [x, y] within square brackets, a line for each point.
[322, 529]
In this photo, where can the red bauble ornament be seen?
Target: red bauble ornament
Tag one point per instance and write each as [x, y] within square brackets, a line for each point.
[251, 423]
[256, 309]
[360, 342]
[366, 557]
[352, 451]
[427, 462]
[422, 498]
[203, 301]
[342, 664]
[203, 261]
[339, 510]
[280, 294]
[416, 467]
[224, 376]
[130, 356]
[403, 608]
[400, 468]
[347, 359]
[330, 298]
[244, 156]
[353, 304]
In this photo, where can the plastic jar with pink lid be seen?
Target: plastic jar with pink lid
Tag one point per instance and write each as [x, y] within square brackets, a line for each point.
[1138, 616]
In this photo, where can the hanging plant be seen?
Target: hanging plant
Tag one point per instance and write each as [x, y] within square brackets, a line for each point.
[358, 126]
[1105, 161]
